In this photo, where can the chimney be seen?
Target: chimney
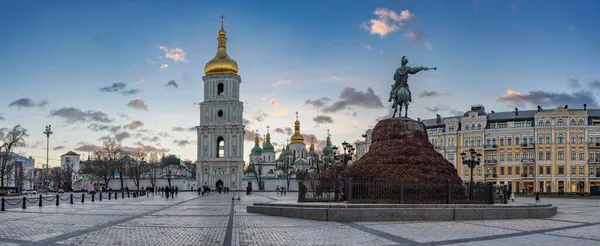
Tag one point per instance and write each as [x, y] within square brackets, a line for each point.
[584, 106]
[438, 118]
[539, 108]
[516, 111]
[566, 106]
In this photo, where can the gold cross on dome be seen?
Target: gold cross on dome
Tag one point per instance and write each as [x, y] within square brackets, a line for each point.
[296, 115]
[328, 132]
[267, 128]
[222, 17]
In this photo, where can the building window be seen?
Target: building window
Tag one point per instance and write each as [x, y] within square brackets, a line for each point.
[572, 122]
[561, 170]
[541, 123]
[548, 139]
[581, 170]
[581, 156]
[478, 125]
[573, 139]
[561, 122]
[466, 143]
[221, 147]
[581, 139]
[591, 155]
[501, 141]
[502, 156]
[548, 170]
[581, 122]
[451, 128]
[501, 171]
[451, 156]
[572, 170]
[220, 89]
[548, 157]
[467, 127]
[493, 141]
[509, 170]
[472, 142]
[561, 139]
[517, 171]
[548, 122]
[518, 156]
[573, 155]
[591, 170]
[509, 156]
[517, 140]
[509, 141]
[541, 156]
[478, 142]
[220, 113]
[541, 170]
[473, 126]
[531, 155]
[561, 155]
[540, 140]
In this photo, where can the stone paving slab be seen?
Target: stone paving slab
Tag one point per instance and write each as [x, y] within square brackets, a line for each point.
[217, 220]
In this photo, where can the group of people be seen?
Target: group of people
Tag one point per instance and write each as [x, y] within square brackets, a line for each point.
[281, 191]
[165, 191]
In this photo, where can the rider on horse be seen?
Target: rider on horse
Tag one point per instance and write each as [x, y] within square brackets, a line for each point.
[401, 78]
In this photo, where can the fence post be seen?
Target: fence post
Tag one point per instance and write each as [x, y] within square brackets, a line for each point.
[57, 198]
[128, 195]
[93, 196]
[71, 199]
[100, 196]
[449, 192]
[491, 193]
[116, 195]
[401, 193]
[40, 201]
[24, 206]
[82, 197]
[350, 190]
[109, 195]
[2, 208]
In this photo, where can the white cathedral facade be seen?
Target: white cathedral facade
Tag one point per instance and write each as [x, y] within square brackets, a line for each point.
[220, 158]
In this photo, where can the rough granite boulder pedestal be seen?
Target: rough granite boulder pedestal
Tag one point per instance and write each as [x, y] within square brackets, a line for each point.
[401, 151]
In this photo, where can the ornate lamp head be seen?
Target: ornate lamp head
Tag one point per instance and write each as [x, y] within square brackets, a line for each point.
[404, 60]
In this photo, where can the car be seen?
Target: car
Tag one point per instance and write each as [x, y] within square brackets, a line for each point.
[30, 192]
[60, 191]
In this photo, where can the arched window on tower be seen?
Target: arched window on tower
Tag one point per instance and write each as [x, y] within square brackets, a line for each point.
[220, 89]
[220, 147]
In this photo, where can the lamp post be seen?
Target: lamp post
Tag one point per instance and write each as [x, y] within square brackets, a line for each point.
[48, 132]
[472, 159]
[346, 155]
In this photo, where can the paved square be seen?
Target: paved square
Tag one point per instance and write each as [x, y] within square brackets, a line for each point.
[217, 220]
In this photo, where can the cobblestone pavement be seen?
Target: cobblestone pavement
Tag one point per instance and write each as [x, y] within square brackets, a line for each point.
[217, 220]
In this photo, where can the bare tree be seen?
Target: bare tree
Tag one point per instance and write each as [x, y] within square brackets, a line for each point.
[115, 155]
[137, 167]
[67, 175]
[287, 169]
[255, 167]
[56, 178]
[153, 168]
[102, 166]
[169, 164]
[8, 142]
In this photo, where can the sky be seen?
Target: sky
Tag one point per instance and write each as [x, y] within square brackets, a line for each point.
[132, 70]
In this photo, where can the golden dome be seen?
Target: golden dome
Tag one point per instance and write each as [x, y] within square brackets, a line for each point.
[221, 63]
[297, 137]
[312, 144]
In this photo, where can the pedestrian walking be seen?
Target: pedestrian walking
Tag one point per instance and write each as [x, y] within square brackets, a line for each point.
[277, 190]
[512, 197]
[172, 192]
[537, 197]
[167, 191]
[176, 190]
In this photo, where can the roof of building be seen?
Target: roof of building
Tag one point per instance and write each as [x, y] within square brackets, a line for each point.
[300, 161]
[71, 153]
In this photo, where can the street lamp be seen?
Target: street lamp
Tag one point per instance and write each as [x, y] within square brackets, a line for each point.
[472, 159]
[346, 156]
[48, 132]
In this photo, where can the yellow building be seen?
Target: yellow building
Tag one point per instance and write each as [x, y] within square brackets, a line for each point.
[555, 150]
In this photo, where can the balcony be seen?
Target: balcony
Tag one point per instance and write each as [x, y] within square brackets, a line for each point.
[594, 145]
[528, 146]
[594, 161]
[527, 161]
[490, 146]
[528, 176]
[491, 162]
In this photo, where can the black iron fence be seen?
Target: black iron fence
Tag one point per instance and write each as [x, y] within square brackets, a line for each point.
[376, 191]
[82, 197]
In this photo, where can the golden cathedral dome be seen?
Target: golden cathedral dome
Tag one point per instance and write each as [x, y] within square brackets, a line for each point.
[221, 63]
[297, 137]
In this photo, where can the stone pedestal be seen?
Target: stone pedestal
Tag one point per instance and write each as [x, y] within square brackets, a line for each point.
[401, 152]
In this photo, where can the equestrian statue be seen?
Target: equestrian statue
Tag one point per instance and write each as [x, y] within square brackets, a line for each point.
[400, 93]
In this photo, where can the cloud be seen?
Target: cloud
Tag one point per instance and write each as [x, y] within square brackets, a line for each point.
[117, 86]
[245, 121]
[549, 99]
[595, 85]
[312, 138]
[456, 112]
[155, 139]
[172, 83]
[150, 62]
[281, 112]
[350, 97]
[27, 103]
[182, 143]
[144, 148]
[249, 136]
[126, 116]
[332, 77]
[134, 125]
[2, 117]
[141, 81]
[138, 104]
[318, 103]
[574, 83]
[322, 119]
[275, 102]
[100, 127]
[281, 82]
[178, 129]
[428, 45]
[387, 21]
[366, 46]
[72, 115]
[88, 148]
[36, 145]
[192, 129]
[176, 54]
[130, 92]
[414, 35]
[432, 94]
[59, 148]
[122, 135]
[163, 66]
[287, 130]
[437, 108]
[261, 117]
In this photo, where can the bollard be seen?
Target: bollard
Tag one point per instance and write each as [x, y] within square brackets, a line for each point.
[57, 198]
[116, 195]
[100, 196]
[24, 203]
[71, 199]
[40, 201]
[128, 195]
[93, 195]
[2, 208]
[82, 197]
